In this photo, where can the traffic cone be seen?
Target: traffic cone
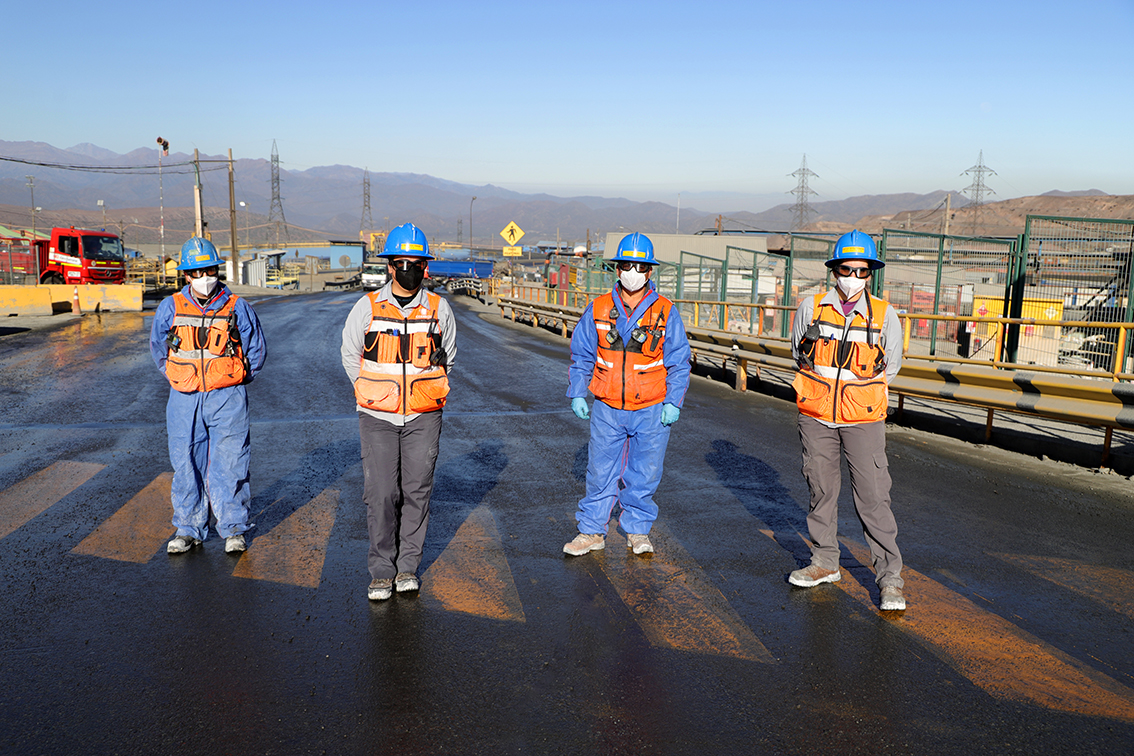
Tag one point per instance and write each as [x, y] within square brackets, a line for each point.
[75, 308]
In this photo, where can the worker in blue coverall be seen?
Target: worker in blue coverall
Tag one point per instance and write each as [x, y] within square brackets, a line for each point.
[208, 343]
[630, 349]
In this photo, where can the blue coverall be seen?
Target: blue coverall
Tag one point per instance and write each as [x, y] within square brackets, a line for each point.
[627, 447]
[209, 439]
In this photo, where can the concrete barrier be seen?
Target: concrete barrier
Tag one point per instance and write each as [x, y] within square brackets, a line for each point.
[97, 297]
[24, 300]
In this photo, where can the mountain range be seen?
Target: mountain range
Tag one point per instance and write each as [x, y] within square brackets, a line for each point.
[327, 201]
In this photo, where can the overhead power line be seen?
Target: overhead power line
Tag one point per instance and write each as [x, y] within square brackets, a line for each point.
[138, 170]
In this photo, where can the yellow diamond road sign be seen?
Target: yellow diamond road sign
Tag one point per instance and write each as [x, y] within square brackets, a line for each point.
[512, 233]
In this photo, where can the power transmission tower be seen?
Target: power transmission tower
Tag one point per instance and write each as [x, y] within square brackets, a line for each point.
[976, 191]
[801, 211]
[367, 221]
[275, 214]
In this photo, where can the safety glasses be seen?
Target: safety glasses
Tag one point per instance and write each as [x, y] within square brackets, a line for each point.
[202, 272]
[405, 265]
[640, 267]
[847, 271]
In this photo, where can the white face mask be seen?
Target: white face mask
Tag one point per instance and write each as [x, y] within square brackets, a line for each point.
[203, 286]
[851, 285]
[631, 280]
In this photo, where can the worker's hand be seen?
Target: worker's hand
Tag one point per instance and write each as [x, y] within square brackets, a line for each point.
[669, 413]
[579, 407]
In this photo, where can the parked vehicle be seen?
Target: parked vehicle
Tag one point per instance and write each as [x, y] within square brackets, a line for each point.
[374, 275]
[78, 256]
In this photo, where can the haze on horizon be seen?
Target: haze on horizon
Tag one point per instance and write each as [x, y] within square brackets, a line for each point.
[636, 100]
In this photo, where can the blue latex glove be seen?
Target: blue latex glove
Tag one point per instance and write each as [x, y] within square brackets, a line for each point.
[669, 413]
[579, 407]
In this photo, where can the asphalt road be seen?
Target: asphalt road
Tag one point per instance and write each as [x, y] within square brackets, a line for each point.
[1017, 639]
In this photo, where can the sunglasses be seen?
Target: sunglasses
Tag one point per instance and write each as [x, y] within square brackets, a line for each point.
[846, 271]
[640, 267]
[202, 272]
[405, 265]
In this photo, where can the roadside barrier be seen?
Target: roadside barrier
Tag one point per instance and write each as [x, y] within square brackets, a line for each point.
[1098, 400]
[25, 300]
[97, 297]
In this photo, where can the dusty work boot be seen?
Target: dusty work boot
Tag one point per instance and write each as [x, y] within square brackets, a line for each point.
[640, 543]
[180, 544]
[406, 581]
[892, 599]
[814, 575]
[234, 544]
[380, 589]
[585, 542]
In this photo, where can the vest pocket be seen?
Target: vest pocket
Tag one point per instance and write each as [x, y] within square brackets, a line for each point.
[866, 361]
[813, 395]
[222, 372]
[182, 376]
[602, 384]
[863, 402]
[427, 394]
[382, 394]
[648, 386]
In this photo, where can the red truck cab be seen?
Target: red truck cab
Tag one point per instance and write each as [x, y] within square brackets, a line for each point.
[78, 256]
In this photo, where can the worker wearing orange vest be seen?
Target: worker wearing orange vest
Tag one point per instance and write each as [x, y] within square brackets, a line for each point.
[398, 346]
[209, 345]
[848, 345]
[630, 350]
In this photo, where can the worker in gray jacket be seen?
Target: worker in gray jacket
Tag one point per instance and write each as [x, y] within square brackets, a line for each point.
[398, 346]
[848, 345]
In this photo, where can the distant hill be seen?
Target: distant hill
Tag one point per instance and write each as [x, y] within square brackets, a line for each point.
[326, 201]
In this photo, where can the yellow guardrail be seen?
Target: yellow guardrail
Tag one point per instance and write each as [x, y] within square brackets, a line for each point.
[1085, 397]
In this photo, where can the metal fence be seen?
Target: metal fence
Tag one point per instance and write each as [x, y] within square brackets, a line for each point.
[17, 265]
[1073, 269]
[947, 275]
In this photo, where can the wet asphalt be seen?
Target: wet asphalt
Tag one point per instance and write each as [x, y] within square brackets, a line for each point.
[178, 654]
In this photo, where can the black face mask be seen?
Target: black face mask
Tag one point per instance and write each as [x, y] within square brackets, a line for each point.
[409, 279]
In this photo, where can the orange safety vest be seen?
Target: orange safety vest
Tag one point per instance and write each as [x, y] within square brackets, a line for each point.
[205, 352]
[631, 375]
[396, 373]
[842, 379]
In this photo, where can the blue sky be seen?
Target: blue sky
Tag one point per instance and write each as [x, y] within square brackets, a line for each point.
[644, 100]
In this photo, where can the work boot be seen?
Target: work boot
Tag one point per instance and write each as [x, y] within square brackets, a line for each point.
[380, 589]
[892, 599]
[180, 544]
[234, 544]
[814, 575]
[640, 543]
[585, 542]
[406, 581]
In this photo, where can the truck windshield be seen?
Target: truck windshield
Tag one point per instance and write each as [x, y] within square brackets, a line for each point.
[107, 248]
[373, 269]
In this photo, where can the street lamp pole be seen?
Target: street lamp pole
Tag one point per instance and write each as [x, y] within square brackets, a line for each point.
[470, 224]
[35, 251]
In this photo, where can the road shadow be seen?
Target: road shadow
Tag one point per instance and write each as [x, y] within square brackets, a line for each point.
[459, 486]
[316, 471]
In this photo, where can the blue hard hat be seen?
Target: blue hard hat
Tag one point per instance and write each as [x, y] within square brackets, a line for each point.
[198, 253]
[635, 248]
[855, 246]
[407, 240]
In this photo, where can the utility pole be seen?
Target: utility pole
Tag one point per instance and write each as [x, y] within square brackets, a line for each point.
[198, 212]
[678, 228]
[948, 212]
[35, 253]
[801, 211]
[232, 221]
[977, 190]
[276, 213]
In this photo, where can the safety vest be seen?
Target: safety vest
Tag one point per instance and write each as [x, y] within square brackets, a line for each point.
[205, 352]
[397, 374]
[842, 374]
[630, 375]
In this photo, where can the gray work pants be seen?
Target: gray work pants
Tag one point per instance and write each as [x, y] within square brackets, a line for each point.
[864, 446]
[397, 470]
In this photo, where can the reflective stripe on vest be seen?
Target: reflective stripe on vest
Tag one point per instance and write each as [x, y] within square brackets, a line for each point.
[844, 381]
[205, 352]
[396, 353]
[630, 375]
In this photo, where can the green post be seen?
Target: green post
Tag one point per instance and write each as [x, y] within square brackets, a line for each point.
[937, 295]
[785, 298]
